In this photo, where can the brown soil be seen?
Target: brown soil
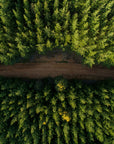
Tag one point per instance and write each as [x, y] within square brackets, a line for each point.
[59, 65]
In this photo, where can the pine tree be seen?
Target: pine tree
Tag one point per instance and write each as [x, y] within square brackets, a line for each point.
[72, 99]
[98, 124]
[47, 26]
[67, 36]
[8, 49]
[28, 34]
[83, 27]
[58, 17]
[75, 33]
[50, 131]
[44, 135]
[66, 133]
[46, 12]
[56, 32]
[39, 27]
[89, 121]
[75, 134]
[56, 118]
[18, 12]
[1, 30]
[74, 127]
[49, 44]
[81, 118]
[65, 20]
[103, 54]
[58, 132]
[94, 23]
[56, 11]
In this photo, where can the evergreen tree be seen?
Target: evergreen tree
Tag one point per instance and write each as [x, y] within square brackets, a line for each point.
[81, 118]
[44, 136]
[47, 26]
[50, 131]
[66, 133]
[103, 54]
[65, 20]
[58, 132]
[72, 99]
[66, 23]
[39, 27]
[75, 33]
[8, 49]
[58, 36]
[56, 11]
[28, 34]
[18, 12]
[56, 32]
[35, 133]
[74, 127]
[83, 27]
[94, 23]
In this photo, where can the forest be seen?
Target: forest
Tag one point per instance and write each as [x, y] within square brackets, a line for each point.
[85, 27]
[56, 111]
[47, 108]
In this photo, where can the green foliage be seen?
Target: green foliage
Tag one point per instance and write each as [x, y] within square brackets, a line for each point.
[8, 50]
[61, 84]
[80, 114]
[84, 27]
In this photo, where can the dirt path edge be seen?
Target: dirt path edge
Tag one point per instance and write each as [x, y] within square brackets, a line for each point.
[53, 69]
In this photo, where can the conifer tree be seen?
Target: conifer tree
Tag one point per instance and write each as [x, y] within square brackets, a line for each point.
[83, 27]
[8, 49]
[81, 118]
[47, 26]
[39, 28]
[1, 29]
[48, 45]
[18, 12]
[66, 133]
[56, 11]
[50, 131]
[28, 34]
[103, 54]
[61, 17]
[56, 33]
[74, 127]
[98, 125]
[58, 132]
[46, 13]
[58, 36]
[44, 135]
[94, 23]
[67, 36]
[35, 133]
[56, 118]
[72, 99]
[65, 20]
[75, 33]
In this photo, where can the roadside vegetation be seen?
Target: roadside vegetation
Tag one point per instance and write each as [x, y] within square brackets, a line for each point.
[56, 111]
[85, 27]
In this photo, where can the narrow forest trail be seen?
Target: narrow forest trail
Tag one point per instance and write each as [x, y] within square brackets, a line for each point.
[53, 69]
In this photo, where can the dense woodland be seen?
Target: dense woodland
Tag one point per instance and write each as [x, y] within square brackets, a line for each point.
[85, 27]
[56, 111]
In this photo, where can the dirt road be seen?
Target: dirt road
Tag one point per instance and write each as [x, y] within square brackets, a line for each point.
[53, 69]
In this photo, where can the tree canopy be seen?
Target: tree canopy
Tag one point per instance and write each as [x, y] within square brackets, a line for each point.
[56, 111]
[85, 27]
